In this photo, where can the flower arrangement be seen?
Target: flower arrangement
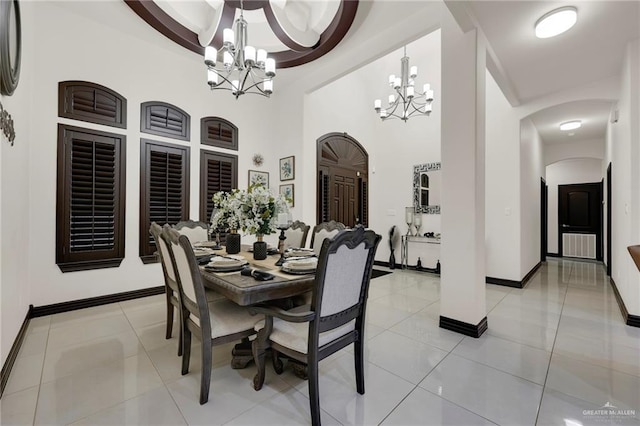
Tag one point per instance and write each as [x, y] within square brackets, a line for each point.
[227, 210]
[254, 211]
[260, 210]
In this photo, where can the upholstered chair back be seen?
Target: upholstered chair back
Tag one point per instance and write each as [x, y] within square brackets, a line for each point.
[323, 231]
[163, 251]
[296, 235]
[195, 231]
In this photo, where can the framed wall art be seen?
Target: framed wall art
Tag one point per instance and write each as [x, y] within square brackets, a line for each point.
[287, 192]
[288, 168]
[258, 178]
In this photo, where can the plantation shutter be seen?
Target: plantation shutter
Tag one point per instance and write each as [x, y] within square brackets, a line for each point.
[218, 172]
[218, 132]
[91, 191]
[164, 190]
[161, 118]
[86, 101]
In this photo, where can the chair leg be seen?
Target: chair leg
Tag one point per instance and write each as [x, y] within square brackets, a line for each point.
[186, 349]
[358, 354]
[180, 338]
[205, 377]
[277, 361]
[169, 317]
[314, 394]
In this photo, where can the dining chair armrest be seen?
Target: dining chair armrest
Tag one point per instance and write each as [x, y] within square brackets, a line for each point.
[303, 316]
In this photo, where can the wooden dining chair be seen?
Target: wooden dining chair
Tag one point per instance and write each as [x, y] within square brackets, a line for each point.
[196, 231]
[322, 231]
[335, 318]
[296, 235]
[170, 283]
[213, 322]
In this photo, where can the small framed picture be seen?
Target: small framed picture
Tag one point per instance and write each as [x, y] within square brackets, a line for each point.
[288, 168]
[258, 178]
[287, 192]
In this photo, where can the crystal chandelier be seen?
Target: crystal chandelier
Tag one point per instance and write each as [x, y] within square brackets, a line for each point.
[407, 102]
[243, 69]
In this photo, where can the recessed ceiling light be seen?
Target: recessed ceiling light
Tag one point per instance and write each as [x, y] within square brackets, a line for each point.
[571, 134]
[570, 125]
[556, 22]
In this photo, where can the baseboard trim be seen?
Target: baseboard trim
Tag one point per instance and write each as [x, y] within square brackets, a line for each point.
[463, 327]
[387, 264]
[13, 353]
[631, 320]
[553, 255]
[512, 283]
[73, 305]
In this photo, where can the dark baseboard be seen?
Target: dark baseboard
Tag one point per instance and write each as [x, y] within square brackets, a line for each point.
[13, 353]
[553, 255]
[57, 308]
[631, 320]
[512, 283]
[463, 327]
[387, 264]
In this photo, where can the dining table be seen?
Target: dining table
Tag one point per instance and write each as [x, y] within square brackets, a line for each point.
[246, 290]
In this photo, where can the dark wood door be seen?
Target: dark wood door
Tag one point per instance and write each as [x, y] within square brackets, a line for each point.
[543, 219]
[342, 180]
[344, 196]
[580, 212]
[609, 197]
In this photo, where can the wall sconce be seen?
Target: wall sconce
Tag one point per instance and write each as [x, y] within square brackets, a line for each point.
[6, 125]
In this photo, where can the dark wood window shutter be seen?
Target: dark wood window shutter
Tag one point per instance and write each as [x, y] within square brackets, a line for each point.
[90, 199]
[324, 204]
[163, 119]
[85, 101]
[218, 132]
[364, 200]
[218, 172]
[164, 190]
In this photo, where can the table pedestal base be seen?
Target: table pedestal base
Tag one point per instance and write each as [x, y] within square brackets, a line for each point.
[241, 354]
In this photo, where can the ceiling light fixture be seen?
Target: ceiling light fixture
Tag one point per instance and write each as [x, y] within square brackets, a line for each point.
[408, 101]
[556, 22]
[243, 70]
[571, 125]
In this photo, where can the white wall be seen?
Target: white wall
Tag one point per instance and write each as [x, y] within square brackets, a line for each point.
[14, 186]
[346, 105]
[589, 148]
[149, 68]
[622, 149]
[577, 170]
[502, 185]
[531, 170]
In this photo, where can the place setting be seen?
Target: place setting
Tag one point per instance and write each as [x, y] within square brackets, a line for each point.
[229, 263]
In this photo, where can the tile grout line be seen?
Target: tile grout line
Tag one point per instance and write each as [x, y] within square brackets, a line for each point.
[546, 377]
[44, 359]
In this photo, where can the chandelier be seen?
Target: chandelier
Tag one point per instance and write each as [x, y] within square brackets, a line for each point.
[407, 102]
[243, 69]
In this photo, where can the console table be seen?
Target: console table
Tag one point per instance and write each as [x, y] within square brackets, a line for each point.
[404, 250]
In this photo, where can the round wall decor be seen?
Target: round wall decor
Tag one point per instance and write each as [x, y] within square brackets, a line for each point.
[10, 46]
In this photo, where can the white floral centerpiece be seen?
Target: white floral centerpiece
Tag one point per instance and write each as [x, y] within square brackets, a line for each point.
[260, 210]
[227, 210]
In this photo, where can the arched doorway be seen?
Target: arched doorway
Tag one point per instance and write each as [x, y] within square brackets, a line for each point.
[342, 184]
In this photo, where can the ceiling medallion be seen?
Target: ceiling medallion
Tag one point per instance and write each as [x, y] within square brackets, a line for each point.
[304, 30]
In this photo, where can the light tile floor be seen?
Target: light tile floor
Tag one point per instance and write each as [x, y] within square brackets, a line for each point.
[554, 352]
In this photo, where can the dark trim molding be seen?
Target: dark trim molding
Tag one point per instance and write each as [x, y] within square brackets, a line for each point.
[386, 264]
[512, 283]
[553, 255]
[13, 353]
[151, 258]
[631, 320]
[57, 308]
[463, 327]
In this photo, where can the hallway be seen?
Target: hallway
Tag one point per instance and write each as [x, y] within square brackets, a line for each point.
[554, 353]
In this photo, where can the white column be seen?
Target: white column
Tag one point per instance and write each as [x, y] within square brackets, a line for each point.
[462, 294]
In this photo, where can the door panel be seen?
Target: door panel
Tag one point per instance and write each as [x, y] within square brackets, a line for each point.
[580, 211]
[344, 196]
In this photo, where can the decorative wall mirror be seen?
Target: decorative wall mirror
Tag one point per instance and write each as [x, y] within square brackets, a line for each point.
[10, 46]
[426, 188]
